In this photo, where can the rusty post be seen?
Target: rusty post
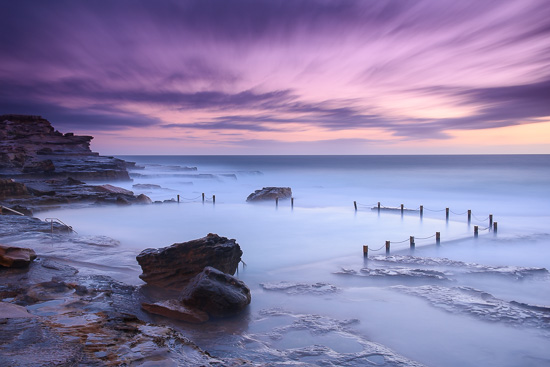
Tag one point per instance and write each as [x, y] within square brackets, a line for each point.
[365, 251]
[178, 198]
[402, 206]
[378, 206]
[203, 197]
[411, 240]
[469, 216]
[292, 203]
[355, 205]
[490, 220]
[447, 214]
[387, 247]
[476, 231]
[437, 238]
[213, 199]
[495, 227]
[421, 211]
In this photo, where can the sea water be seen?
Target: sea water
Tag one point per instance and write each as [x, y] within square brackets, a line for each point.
[316, 300]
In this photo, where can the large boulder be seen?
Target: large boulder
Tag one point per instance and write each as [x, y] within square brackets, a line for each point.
[270, 193]
[172, 267]
[216, 293]
[16, 257]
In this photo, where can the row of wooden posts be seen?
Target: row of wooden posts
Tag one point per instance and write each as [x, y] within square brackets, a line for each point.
[203, 198]
[437, 239]
[421, 210]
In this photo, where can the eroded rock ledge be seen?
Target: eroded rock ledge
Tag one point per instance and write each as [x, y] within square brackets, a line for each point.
[31, 147]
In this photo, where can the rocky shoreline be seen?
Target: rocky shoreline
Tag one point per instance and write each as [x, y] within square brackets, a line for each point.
[53, 314]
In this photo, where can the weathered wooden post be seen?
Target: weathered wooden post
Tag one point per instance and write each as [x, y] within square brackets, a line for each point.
[213, 199]
[421, 211]
[490, 220]
[476, 231]
[447, 214]
[355, 205]
[412, 242]
[495, 227]
[387, 247]
[469, 216]
[203, 197]
[292, 203]
[402, 206]
[365, 251]
[437, 238]
[276, 202]
[178, 198]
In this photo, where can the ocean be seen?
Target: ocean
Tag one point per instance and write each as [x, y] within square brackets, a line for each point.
[316, 300]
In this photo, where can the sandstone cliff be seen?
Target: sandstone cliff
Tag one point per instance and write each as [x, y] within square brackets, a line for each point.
[31, 147]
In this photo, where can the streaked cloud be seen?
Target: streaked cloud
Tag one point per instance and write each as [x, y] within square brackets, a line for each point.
[245, 71]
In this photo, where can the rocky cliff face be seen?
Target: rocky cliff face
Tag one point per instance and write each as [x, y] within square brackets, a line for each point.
[31, 147]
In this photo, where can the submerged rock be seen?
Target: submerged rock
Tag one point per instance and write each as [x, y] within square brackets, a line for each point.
[270, 193]
[176, 310]
[173, 266]
[216, 293]
[16, 257]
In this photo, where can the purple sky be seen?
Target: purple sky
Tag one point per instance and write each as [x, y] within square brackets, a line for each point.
[283, 77]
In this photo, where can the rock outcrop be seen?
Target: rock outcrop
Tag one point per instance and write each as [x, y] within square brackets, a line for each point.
[11, 189]
[270, 193]
[172, 267]
[16, 257]
[216, 293]
[31, 147]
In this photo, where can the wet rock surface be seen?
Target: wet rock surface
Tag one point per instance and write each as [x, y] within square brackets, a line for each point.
[216, 293]
[293, 288]
[51, 315]
[270, 193]
[174, 309]
[173, 267]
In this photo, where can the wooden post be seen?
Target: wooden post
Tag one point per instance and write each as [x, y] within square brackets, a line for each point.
[402, 206]
[365, 251]
[495, 227]
[421, 211]
[203, 197]
[355, 205]
[490, 220]
[276, 202]
[213, 199]
[178, 198]
[412, 242]
[387, 247]
[292, 203]
[476, 231]
[469, 216]
[447, 214]
[437, 238]
[379, 206]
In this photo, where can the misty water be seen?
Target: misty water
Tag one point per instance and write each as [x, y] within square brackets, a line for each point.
[316, 300]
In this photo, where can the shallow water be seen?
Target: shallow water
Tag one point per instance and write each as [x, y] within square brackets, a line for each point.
[315, 299]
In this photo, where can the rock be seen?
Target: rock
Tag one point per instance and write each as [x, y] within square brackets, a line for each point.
[11, 311]
[122, 201]
[146, 186]
[173, 266]
[176, 310]
[11, 189]
[16, 257]
[143, 199]
[31, 147]
[114, 190]
[270, 193]
[217, 293]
